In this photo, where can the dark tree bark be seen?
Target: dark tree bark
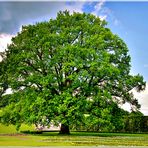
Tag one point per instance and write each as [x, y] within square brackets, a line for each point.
[64, 129]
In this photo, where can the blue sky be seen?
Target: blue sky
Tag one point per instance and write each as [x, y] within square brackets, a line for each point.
[132, 26]
[127, 19]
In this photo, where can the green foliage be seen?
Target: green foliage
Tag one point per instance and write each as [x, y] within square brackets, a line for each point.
[64, 68]
[134, 122]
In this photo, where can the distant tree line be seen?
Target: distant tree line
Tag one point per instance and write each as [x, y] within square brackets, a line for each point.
[134, 122]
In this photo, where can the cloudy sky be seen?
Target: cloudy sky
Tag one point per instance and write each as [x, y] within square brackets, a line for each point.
[127, 19]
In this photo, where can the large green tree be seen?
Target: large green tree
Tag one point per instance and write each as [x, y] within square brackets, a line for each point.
[65, 68]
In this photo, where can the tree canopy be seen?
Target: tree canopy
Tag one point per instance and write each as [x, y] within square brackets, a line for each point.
[65, 69]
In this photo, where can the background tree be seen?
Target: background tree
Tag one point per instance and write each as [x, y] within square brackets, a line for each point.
[65, 68]
[134, 122]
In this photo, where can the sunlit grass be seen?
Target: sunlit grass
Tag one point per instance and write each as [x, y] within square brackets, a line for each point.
[12, 129]
[74, 139]
[10, 137]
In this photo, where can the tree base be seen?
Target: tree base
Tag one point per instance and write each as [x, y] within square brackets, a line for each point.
[64, 129]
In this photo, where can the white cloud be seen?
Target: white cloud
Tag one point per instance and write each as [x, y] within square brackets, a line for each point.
[143, 99]
[74, 7]
[5, 39]
[103, 17]
[98, 7]
[126, 106]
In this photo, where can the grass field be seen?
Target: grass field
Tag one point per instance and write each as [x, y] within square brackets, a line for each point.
[9, 137]
[11, 129]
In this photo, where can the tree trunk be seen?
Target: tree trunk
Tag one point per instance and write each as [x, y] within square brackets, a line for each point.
[64, 129]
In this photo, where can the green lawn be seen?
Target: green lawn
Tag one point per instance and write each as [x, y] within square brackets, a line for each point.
[9, 137]
[11, 129]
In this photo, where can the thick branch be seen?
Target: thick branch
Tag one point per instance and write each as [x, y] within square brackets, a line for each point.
[31, 65]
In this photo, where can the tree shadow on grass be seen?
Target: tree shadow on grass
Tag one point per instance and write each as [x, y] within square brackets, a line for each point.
[73, 133]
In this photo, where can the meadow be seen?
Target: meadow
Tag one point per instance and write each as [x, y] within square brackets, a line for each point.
[10, 137]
